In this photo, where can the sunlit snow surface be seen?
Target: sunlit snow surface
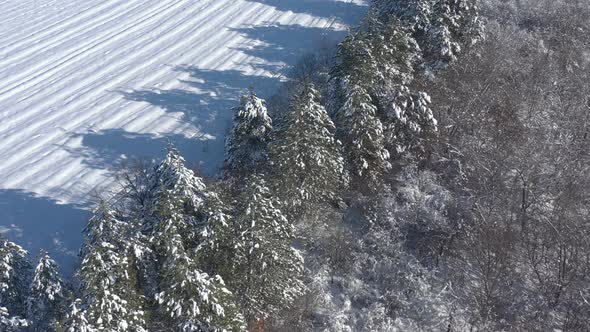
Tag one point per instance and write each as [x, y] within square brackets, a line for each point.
[85, 85]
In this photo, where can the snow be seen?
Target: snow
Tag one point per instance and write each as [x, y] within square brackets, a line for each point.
[86, 85]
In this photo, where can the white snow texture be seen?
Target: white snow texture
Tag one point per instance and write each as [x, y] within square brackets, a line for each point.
[85, 85]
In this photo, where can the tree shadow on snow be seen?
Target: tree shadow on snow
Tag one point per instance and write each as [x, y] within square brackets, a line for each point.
[222, 88]
[41, 223]
[113, 149]
[208, 103]
[345, 12]
[37, 222]
[275, 50]
[212, 96]
[208, 106]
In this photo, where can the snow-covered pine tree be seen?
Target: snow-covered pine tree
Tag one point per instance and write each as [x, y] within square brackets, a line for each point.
[393, 54]
[172, 176]
[423, 34]
[268, 269]
[111, 299]
[75, 319]
[442, 28]
[15, 276]
[171, 208]
[375, 72]
[144, 190]
[415, 14]
[215, 251]
[404, 112]
[455, 24]
[46, 302]
[363, 135]
[169, 177]
[144, 184]
[246, 144]
[177, 185]
[359, 126]
[189, 299]
[10, 323]
[307, 163]
[408, 115]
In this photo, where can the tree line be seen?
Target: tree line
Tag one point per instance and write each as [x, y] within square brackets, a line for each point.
[428, 174]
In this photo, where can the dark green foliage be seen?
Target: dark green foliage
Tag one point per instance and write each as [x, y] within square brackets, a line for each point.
[442, 28]
[111, 298]
[46, 303]
[191, 299]
[15, 275]
[246, 145]
[307, 164]
[267, 268]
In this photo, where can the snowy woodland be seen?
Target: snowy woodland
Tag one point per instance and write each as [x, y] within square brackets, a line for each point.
[429, 173]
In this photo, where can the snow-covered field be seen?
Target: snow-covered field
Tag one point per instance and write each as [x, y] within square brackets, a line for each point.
[85, 85]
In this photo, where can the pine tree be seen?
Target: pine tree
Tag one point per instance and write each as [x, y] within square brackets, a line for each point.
[46, 302]
[171, 175]
[442, 28]
[75, 319]
[455, 24]
[246, 145]
[415, 14]
[166, 227]
[409, 114]
[359, 126]
[191, 299]
[215, 251]
[179, 186]
[10, 323]
[393, 55]
[379, 113]
[405, 112]
[362, 132]
[187, 297]
[267, 271]
[427, 35]
[15, 276]
[306, 156]
[111, 299]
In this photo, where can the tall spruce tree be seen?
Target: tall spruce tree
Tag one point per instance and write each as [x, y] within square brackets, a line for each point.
[404, 111]
[396, 38]
[9, 323]
[172, 176]
[15, 276]
[267, 270]
[359, 126]
[378, 63]
[169, 178]
[246, 145]
[46, 302]
[442, 28]
[456, 25]
[216, 251]
[436, 32]
[189, 298]
[111, 299]
[75, 319]
[307, 163]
